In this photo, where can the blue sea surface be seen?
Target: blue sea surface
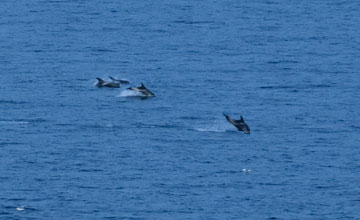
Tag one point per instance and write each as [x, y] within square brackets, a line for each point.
[69, 150]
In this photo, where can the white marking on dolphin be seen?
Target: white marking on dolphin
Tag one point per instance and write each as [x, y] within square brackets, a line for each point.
[143, 90]
[102, 83]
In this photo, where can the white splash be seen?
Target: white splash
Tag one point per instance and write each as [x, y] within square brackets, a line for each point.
[246, 170]
[217, 126]
[129, 93]
[21, 208]
[95, 83]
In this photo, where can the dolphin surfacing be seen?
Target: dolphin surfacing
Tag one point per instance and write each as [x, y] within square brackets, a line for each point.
[143, 90]
[239, 124]
[102, 83]
[121, 81]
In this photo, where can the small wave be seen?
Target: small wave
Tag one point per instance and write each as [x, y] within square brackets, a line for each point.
[301, 87]
[91, 170]
[12, 102]
[320, 86]
[282, 61]
[189, 117]
[4, 122]
[100, 126]
[102, 50]
[4, 213]
[357, 127]
[10, 143]
[278, 87]
[192, 22]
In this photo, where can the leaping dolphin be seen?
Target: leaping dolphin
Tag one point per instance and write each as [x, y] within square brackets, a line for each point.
[122, 81]
[143, 90]
[101, 83]
[239, 124]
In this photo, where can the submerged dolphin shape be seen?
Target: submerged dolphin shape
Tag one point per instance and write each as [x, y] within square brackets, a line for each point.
[119, 80]
[239, 124]
[143, 90]
[101, 83]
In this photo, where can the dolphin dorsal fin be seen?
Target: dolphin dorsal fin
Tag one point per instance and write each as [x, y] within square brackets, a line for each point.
[241, 119]
[100, 80]
[142, 86]
[112, 78]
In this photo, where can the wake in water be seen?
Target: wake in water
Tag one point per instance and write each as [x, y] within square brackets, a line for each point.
[128, 93]
[217, 126]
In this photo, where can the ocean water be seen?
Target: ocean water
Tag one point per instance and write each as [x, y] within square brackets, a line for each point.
[69, 150]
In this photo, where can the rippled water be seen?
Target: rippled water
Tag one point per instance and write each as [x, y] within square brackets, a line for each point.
[69, 150]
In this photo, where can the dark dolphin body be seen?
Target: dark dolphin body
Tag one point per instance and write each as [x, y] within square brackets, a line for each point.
[239, 124]
[101, 83]
[143, 90]
[119, 80]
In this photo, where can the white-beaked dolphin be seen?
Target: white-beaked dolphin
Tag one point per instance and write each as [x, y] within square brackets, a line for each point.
[239, 124]
[102, 83]
[143, 90]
